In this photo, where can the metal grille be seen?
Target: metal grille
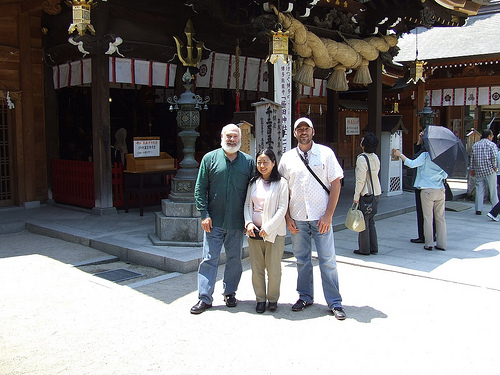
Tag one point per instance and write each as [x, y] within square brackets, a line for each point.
[5, 167]
[395, 184]
[120, 274]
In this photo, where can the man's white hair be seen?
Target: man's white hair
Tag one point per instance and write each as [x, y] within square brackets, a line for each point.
[228, 127]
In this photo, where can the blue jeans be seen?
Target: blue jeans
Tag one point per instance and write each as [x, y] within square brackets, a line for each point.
[207, 272]
[481, 182]
[301, 245]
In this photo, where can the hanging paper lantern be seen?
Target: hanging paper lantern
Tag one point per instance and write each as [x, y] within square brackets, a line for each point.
[81, 16]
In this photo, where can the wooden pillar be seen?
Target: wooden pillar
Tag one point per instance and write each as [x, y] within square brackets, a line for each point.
[375, 99]
[101, 139]
[27, 162]
[332, 116]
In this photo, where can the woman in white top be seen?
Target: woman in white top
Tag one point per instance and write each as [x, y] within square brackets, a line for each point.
[265, 208]
[367, 239]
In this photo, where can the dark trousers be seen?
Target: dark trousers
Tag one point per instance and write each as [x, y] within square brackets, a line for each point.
[420, 216]
[495, 210]
[367, 239]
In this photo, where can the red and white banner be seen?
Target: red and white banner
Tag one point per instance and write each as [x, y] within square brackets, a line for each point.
[121, 70]
[319, 89]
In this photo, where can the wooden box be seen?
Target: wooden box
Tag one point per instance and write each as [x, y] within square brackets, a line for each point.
[150, 164]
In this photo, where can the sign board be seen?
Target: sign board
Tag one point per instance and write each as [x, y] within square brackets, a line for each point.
[283, 95]
[268, 127]
[146, 147]
[246, 137]
[352, 126]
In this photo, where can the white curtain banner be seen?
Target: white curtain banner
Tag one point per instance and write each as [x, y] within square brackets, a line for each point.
[221, 71]
[459, 97]
[205, 72]
[252, 74]
[123, 70]
[447, 97]
[283, 95]
[495, 95]
[483, 96]
[63, 75]
[141, 72]
[76, 73]
[318, 87]
[471, 96]
[436, 98]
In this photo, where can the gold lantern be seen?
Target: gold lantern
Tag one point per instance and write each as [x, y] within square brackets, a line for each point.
[417, 67]
[81, 16]
[278, 47]
[417, 71]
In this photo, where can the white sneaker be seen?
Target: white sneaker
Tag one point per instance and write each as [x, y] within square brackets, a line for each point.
[494, 218]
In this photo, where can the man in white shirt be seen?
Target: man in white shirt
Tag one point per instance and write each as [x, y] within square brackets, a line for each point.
[311, 208]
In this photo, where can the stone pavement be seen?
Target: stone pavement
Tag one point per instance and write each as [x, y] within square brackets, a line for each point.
[125, 235]
[410, 311]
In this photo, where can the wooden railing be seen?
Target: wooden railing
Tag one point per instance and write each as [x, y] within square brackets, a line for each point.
[73, 184]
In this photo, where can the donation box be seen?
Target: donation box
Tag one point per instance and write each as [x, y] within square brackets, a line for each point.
[391, 170]
[147, 156]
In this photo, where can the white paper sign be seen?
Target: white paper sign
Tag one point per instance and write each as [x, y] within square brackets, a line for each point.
[351, 126]
[146, 148]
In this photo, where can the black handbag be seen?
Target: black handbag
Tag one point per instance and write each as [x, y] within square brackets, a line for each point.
[256, 232]
[447, 191]
[368, 203]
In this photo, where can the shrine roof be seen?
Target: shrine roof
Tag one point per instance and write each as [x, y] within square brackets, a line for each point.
[479, 37]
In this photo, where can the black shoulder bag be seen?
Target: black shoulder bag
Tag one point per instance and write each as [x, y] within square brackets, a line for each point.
[368, 203]
[310, 170]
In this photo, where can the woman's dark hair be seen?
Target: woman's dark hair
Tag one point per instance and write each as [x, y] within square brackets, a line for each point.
[275, 175]
[370, 142]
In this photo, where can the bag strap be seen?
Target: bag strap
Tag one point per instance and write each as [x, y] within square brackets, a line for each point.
[369, 172]
[310, 170]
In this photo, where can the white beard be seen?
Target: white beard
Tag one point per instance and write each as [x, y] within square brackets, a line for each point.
[230, 149]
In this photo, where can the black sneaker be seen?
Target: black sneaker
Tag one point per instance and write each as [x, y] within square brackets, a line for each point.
[339, 313]
[230, 300]
[300, 305]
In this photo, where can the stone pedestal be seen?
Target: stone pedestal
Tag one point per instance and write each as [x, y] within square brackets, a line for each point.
[179, 224]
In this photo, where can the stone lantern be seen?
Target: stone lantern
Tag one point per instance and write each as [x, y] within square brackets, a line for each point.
[179, 223]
